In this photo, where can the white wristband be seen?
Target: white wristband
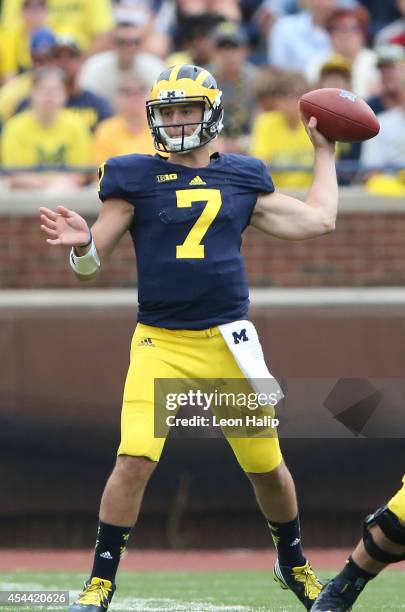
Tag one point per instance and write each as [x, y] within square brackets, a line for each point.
[88, 263]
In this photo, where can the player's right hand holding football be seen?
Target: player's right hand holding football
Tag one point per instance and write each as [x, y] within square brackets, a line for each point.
[64, 227]
[318, 140]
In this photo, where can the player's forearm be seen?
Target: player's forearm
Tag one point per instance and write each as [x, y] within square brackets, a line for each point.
[104, 244]
[323, 194]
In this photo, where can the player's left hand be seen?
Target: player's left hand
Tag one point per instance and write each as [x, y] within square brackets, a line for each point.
[64, 227]
[318, 140]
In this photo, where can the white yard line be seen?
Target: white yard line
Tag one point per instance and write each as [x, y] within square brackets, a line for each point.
[170, 605]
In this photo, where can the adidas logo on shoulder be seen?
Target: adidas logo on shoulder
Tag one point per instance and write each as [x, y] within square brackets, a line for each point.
[146, 342]
[106, 555]
[197, 180]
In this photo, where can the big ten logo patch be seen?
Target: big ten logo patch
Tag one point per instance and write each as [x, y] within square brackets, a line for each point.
[240, 336]
[163, 178]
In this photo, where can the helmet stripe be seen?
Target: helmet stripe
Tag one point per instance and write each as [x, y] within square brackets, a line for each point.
[174, 73]
[202, 76]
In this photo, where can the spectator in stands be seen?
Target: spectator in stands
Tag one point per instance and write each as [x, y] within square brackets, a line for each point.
[156, 36]
[88, 21]
[102, 73]
[128, 131]
[92, 108]
[15, 44]
[336, 72]
[394, 33]
[16, 90]
[265, 91]
[388, 147]
[382, 13]
[294, 40]
[193, 39]
[348, 33]
[175, 15]
[271, 10]
[46, 137]
[266, 15]
[237, 77]
[279, 137]
[389, 59]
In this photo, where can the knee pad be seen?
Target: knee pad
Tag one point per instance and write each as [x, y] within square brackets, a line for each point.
[391, 528]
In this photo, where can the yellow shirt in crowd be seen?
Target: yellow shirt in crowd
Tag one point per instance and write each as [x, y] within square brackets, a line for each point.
[113, 137]
[26, 143]
[14, 92]
[81, 19]
[276, 143]
[14, 53]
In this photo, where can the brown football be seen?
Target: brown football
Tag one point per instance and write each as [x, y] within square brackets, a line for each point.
[341, 115]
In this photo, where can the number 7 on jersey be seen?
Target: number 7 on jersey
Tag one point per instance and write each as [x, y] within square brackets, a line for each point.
[192, 247]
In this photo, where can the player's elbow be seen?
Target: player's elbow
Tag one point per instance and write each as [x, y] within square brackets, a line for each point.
[318, 226]
[327, 224]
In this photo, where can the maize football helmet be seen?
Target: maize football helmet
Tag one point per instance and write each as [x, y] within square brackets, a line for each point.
[185, 84]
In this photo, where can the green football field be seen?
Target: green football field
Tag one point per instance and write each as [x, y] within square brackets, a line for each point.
[201, 591]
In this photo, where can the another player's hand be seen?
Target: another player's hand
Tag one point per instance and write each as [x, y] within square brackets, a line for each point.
[318, 140]
[64, 227]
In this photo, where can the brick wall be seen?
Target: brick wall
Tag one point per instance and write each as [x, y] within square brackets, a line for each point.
[366, 249]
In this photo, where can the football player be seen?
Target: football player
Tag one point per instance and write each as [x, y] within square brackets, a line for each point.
[383, 543]
[186, 209]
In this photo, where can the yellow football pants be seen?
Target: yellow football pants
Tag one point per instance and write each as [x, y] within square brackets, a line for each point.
[163, 353]
[397, 503]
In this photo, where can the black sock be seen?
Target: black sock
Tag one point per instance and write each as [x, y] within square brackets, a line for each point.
[351, 581]
[110, 545]
[287, 540]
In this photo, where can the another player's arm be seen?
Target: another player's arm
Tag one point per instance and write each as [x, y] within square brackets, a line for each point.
[289, 218]
[66, 227]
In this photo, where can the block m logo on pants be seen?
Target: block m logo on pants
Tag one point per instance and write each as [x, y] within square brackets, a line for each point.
[240, 336]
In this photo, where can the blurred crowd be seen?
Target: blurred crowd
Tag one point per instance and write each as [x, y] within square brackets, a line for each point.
[74, 78]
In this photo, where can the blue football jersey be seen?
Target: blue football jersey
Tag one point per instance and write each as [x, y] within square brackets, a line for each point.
[187, 233]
